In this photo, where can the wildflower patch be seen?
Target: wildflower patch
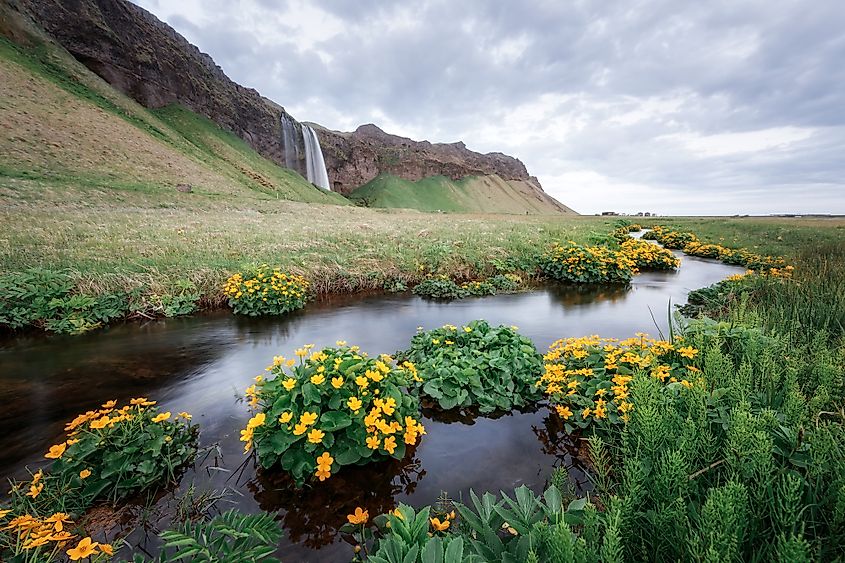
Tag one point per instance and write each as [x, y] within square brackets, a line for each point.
[332, 408]
[577, 263]
[266, 291]
[587, 379]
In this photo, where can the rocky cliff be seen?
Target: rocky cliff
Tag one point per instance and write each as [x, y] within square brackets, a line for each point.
[149, 61]
[353, 159]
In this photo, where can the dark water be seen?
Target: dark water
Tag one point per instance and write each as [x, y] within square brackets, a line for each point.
[202, 365]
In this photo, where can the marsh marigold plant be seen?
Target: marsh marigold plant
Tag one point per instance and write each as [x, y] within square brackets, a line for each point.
[648, 256]
[266, 291]
[576, 263]
[322, 410]
[115, 451]
[587, 379]
[477, 365]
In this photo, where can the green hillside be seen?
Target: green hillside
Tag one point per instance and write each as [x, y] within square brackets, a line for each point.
[61, 125]
[477, 194]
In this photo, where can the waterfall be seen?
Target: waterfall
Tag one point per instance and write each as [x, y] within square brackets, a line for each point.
[316, 172]
[302, 151]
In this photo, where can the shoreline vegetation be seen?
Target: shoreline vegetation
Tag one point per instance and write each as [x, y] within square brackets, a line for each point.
[141, 262]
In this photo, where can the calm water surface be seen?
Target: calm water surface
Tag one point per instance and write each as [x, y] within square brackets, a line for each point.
[202, 364]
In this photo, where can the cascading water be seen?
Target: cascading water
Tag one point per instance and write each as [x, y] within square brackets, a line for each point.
[316, 172]
[303, 152]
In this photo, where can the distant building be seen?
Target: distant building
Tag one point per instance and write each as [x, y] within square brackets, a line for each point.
[605, 213]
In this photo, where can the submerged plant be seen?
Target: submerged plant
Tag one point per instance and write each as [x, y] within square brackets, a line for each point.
[333, 408]
[477, 365]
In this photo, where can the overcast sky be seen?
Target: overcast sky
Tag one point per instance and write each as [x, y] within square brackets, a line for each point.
[676, 107]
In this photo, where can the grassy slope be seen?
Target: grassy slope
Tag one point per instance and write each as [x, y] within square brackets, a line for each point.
[60, 123]
[488, 194]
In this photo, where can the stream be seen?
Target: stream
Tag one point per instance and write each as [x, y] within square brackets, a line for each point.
[202, 364]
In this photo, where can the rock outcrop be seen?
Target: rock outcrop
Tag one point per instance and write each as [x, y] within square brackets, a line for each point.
[149, 61]
[353, 159]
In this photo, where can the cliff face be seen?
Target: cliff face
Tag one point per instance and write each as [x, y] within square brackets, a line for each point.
[149, 61]
[353, 159]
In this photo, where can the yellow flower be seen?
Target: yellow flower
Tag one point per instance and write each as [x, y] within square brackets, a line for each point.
[278, 360]
[107, 548]
[688, 352]
[354, 403]
[316, 436]
[362, 382]
[100, 423]
[59, 519]
[586, 412]
[161, 417]
[322, 474]
[3, 513]
[299, 429]
[563, 412]
[389, 406]
[85, 548]
[373, 442]
[286, 417]
[435, 341]
[85, 473]
[109, 404]
[337, 382]
[360, 516]
[390, 444]
[56, 451]
[142, 402]
[256, 421]
[185, 415]
[318, 379]
[325, 460]
[308, 418]
[301, 352]
[35, 490]
[438, 525]
[341, 343]
[290, 363]
[410, 438]
[289, 383]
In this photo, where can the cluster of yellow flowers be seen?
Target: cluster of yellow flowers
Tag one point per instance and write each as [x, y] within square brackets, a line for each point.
[647, 255]
[588, 378]
[587, 264]
[32, 532]
[328, 386]
[106, 417]
[774, 266]
[264, 282]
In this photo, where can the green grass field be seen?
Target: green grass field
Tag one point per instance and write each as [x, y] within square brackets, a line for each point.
[438, 194]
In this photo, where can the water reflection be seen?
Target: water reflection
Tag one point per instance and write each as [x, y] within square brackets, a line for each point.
[312, 516]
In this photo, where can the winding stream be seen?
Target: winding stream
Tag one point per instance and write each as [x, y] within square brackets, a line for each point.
[202, 364]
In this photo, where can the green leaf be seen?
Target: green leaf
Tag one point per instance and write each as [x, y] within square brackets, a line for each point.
[334, 420]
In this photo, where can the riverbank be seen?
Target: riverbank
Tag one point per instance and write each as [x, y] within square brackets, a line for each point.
[156, 254]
